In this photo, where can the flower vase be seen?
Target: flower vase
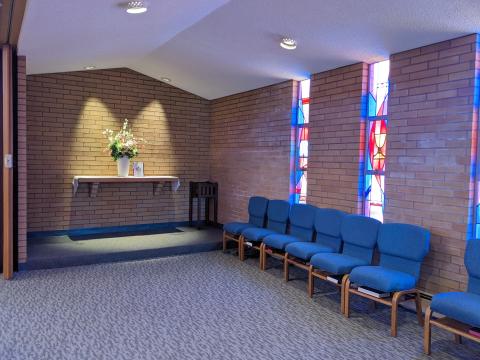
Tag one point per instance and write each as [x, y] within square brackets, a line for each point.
[123, 166]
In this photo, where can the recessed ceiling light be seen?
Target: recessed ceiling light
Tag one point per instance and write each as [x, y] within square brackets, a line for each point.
[136, 7]
[90, 67]
[165, 79]
[288, 43]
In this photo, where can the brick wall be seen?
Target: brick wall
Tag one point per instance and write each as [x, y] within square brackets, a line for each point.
[22, 158]
[337, 130]
[66, 114]
[243, 142]
[428, 151]
[250, 147]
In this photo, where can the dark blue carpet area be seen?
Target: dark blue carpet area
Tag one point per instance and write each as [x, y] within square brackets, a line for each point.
[86, 249]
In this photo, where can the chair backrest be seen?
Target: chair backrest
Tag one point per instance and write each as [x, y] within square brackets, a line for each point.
[328, 223]
[359, 235]
[472, 263]
[403, 247]
[302, 217]
[277, 215]
[257, 210]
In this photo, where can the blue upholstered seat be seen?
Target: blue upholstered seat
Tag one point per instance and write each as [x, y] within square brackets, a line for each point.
[236, 228]
[256, 234]
[359, 235]
[279, 241]
[461, 306]
[277, 219]
[383, 279]
[305, 250]
[257, 210]
[301, 219]
[402, 249]
[328, 238]
[337, 264]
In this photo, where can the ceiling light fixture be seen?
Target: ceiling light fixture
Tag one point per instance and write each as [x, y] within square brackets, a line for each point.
[165, 79]
[288, 43]
[136, 7]
[89, 67]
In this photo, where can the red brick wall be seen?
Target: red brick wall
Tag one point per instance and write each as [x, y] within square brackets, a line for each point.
[22, 158]
[337, 128]
[250, 147]
[428, 151]
[66, 115]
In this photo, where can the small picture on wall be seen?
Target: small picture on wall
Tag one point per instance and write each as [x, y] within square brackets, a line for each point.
[138, 168]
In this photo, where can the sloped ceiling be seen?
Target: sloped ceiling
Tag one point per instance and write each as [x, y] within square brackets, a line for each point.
[215, 48]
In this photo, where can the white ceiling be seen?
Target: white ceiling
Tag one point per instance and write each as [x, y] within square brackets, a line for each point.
[214, 48]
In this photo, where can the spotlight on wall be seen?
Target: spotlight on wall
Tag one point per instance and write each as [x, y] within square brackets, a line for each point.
[165, 79]
[89, 67]
[136, 7]
[288, 43]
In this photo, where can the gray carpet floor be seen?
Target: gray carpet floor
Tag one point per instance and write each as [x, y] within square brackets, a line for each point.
[200, 306]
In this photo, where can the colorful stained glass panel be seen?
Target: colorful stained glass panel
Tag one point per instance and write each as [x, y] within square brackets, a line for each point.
[301, 143]
[378, 89]
[376, 147]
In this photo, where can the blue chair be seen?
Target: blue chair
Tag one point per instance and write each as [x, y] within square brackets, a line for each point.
[277, 219]
[327, 240]
[301, 219]
[402, 249]
[257, 212]
[461, 310]
[359, 235]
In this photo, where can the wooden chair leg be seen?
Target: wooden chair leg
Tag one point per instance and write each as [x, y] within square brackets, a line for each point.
[427, 332]
[260, 258]
[241, 248]
[372, 305]
[224, 242]
[418, 306]
[264, 257]
[346, 296]
[285, 267]
[394, 315]
[310, 281]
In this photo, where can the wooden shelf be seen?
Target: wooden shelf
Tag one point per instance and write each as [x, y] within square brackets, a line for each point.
[95, 181]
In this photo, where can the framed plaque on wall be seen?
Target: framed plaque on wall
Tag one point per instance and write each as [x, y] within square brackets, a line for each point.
[138, 168]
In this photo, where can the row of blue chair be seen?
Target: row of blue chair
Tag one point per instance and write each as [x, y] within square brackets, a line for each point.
[331, 244]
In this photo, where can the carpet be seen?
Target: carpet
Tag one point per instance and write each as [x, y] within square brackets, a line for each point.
[200, 306]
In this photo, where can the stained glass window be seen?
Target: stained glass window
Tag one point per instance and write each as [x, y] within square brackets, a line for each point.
[377, 121]
[301, 144]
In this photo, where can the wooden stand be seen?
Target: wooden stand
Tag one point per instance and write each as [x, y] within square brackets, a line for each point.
[207, 191]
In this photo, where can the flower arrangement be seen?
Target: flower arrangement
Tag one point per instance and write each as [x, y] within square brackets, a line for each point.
[123, 144]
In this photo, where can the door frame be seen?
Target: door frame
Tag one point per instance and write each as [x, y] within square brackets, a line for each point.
[9, 192]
